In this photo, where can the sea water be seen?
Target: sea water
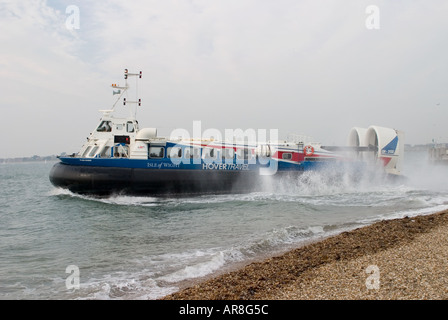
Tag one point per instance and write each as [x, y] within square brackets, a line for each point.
[55, 244]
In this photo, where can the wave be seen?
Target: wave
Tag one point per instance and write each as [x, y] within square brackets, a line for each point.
[159, 275]
[116, 199]
[200, 263]
[406, 213]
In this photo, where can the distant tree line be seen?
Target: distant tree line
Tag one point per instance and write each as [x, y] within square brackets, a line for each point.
[34, 158]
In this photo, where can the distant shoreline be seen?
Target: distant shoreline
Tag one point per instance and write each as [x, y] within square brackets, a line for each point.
[29, 159]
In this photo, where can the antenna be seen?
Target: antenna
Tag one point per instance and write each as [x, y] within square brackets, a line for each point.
[120, 90]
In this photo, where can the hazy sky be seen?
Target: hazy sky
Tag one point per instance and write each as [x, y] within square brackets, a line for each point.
[311, 67]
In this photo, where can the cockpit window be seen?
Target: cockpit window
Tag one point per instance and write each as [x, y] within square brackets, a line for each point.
[92, 153]
[105, 126]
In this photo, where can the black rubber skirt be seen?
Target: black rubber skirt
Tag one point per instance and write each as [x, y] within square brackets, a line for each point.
[135, 181]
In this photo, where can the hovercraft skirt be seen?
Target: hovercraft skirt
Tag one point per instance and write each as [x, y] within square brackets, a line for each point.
[137, 181]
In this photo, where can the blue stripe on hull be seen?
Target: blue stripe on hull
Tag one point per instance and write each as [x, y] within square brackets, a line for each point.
[204, 165]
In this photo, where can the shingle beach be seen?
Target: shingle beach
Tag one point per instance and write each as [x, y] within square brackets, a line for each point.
[392, 259]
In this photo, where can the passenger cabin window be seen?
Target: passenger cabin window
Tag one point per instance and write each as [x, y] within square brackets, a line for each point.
[192, 153]
[84, 155]
[120, 151]
[174, 152]
[228, 153]
[105, 153]
[287, 156]
[211, 153]
[105, 126]
[156, 152]
[94, 150]
[130, 127]
[243, 154]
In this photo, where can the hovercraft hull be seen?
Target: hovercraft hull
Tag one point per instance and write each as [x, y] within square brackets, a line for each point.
[98, 180]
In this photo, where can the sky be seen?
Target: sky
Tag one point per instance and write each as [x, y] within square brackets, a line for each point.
[312, 67]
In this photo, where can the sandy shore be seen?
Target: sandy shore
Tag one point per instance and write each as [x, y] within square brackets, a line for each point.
[392, 259]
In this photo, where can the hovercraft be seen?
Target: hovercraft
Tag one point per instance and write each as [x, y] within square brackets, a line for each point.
[119, 157]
